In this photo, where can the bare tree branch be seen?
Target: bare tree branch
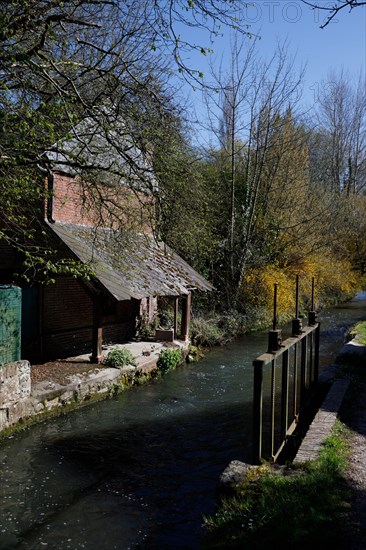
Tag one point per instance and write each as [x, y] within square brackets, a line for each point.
[334, 9]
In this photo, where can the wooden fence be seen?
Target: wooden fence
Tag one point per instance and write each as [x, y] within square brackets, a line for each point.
[284, 380]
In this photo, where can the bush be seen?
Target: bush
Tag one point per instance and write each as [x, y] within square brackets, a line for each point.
[169, 359]
[120, 358]
[206, 332]
[335, 281]
[147, 328]
[194, 354]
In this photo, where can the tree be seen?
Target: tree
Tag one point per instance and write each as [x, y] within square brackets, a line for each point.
[341, 133]
[249, 113]
[68, 67]
[333, 9]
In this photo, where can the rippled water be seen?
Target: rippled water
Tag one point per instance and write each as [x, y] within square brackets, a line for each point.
[140, 470]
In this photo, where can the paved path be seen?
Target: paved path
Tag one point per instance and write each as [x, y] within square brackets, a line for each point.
[355, 476]
[323, 422]
[356, 473]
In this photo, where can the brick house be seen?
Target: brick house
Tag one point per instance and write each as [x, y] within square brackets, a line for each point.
[131, 269]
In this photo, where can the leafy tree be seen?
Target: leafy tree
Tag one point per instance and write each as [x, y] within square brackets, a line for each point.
[249, 111]
[69, 67]
[184, 210]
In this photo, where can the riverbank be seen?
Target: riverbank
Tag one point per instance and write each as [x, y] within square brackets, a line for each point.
[31, 393]
[319, 500]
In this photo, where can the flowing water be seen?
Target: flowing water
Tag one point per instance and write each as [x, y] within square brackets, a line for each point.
[139, 471]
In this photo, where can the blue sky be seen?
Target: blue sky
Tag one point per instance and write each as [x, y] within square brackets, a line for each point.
[342, 44]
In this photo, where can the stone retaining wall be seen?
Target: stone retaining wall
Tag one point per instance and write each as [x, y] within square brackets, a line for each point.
[22, 402]
[19, 401]
[15, 391]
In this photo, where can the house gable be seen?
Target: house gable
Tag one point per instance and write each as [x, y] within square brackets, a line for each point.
[76, 202]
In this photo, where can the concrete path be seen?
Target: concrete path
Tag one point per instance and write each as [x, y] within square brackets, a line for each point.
[320, 429]
[323, 422]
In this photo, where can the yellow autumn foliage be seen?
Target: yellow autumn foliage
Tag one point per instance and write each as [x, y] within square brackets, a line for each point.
[334, 281]
[258, 291]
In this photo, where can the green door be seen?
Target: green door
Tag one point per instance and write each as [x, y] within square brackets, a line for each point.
[10, 323]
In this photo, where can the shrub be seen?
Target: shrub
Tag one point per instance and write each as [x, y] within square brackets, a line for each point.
[358, 330]
[206, 332]
[119, 358]
[194, 354]
[335, 281]
[218, 329]
[147, 328]
[169, 359]
[258, 291]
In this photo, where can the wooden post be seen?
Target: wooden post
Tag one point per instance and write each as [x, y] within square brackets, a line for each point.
[297, 323]
[274, 335]
[186, 316]
[275, 307]
[97, 334]
[284, 394]
[295, 380]
[273, 405]
[40, 345]
[303, 371]
[176, 308]
[257, 411]
[316, 354]
[312, 313]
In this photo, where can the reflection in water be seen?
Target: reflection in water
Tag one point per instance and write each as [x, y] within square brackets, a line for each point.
[139, 471]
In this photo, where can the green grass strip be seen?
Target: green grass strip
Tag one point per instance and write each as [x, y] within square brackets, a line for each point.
[300, 507]
[360, 330]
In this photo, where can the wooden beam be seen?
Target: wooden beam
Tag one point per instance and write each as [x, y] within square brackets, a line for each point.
[176, 309]
[97, 333]
[186, 316]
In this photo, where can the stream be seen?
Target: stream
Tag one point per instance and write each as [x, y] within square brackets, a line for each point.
[140, 470]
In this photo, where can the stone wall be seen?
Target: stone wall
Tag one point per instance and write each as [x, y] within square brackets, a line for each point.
[22, 402]
[15, 389]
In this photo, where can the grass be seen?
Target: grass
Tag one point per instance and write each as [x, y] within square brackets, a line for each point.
[360, 331]
[297, 508]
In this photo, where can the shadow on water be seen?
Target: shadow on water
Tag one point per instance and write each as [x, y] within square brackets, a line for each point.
[139, 471]
[134, 472]
[171, 467]
[161, 477]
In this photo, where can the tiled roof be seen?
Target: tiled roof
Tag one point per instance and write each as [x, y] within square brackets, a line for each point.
[130, 265]
[106, 150]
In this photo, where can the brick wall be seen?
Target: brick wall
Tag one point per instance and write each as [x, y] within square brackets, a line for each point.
[68, 203]
[78, 203]
[121, 326]
[67, 344]
[66, 305]
[7, 255]
[68, 320]
[118, 332]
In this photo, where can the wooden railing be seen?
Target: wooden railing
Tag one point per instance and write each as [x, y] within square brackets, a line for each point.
[283, 380]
